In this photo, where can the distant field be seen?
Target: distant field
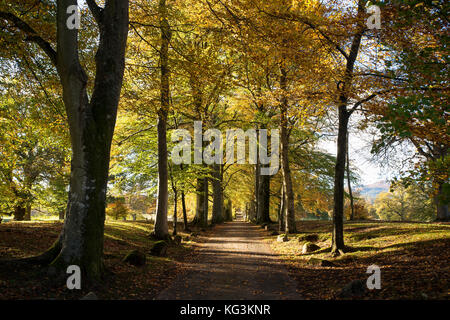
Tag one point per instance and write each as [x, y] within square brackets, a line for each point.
[413, 257]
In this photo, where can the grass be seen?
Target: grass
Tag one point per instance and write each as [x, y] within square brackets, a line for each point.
[122, 281]
[413, 258]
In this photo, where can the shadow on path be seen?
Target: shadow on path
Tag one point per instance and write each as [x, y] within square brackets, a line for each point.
[234, 264]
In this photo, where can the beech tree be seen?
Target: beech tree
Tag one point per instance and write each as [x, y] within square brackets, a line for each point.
[91, 118]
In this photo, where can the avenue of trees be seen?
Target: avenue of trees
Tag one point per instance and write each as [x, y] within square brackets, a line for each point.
[87, 114]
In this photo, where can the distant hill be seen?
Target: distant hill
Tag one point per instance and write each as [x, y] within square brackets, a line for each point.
[371, 191]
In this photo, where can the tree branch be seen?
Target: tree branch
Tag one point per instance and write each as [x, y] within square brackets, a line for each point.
[32, 35]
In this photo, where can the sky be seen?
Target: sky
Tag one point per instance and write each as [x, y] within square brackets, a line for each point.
[360, 158]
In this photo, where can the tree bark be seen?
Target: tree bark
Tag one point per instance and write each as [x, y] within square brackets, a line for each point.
[91, 125]
[206, 203]
[282, 211]
[263, 214]
[217, 210]
[441, 207]
[349, 185]
[338, 213]
[286, 171]
[183, 205]
[175, 214]
[257, 181]
[200, 206]
[19, 213]
[161, 224]
[337, 245]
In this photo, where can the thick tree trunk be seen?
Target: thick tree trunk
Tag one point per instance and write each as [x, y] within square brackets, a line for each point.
[161, 224]
[217, 209]
[91, 127]
[19, 213]
[442, 212]
[338, 211]
[286, 171]
[200, 206]
[228, 210]
[27, 216]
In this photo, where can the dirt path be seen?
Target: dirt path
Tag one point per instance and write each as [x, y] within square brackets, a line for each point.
[234, 264]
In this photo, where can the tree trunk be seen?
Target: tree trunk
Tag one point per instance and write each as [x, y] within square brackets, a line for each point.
[263, 214]
[217, 210]
[200, 206]
[228, 210]
[257, 181]
[338, 211]
[344, 115]
[19, 213]
[91, 126]
[349, 185]
[161, 224]
[441, 207]
[282, 211]
[286, 171]
[175, 215]
[183, 205]
[206, 203]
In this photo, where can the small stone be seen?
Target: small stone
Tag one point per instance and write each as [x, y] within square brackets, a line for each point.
[177, 239]
[320, 262]
[309, 238]
[90, 296]
[159, 249]
[135, 258]
[356, 288]
[282, 238]
[309, 247]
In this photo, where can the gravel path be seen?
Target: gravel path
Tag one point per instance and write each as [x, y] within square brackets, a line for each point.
[234, 264]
